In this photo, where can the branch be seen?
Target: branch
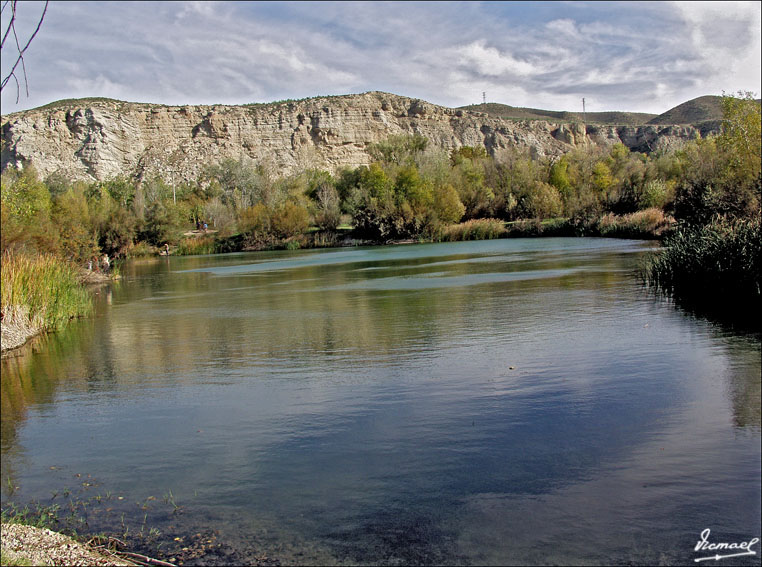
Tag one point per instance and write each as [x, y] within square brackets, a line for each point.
[21, 51]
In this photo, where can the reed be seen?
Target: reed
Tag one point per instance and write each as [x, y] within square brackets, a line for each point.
[196, 245]
[476, 229]
[721, 261]
[648, 223]
[43, 289]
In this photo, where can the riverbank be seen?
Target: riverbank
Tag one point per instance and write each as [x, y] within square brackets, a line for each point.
[41, 293]
[648, 224]
[29, 545]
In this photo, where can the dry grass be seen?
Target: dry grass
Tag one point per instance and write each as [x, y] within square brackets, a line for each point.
[649, 223]
[476, 229]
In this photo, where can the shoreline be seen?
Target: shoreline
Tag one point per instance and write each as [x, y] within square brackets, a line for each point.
[29, 545]
[17, 328]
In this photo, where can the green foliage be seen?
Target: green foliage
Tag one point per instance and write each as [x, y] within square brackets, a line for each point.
[121, 190]
[25, 198]
[542, 201]
[657, 193]
[290, 219]
[447, 205]
[721, 176]
[164, 222]
[741, 138]
[559, 175]
[255, 221]
[71, 214]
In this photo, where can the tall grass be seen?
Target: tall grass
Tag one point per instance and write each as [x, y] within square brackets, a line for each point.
[719, 262]
[42, 288]
[197, 245]
[649, 223]
[476, 229]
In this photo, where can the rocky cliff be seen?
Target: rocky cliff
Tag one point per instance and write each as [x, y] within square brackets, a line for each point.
[99, 139]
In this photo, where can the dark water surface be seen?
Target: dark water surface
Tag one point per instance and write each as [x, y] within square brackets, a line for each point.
[511, 401]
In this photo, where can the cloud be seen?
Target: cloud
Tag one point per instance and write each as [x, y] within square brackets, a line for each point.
[490, 61]
[619, 56]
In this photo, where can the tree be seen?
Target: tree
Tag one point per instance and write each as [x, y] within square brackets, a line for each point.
[10, 32]
[741, 137]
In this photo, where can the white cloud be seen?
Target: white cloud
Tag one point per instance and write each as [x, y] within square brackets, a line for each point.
[639, 57]
[490, 61]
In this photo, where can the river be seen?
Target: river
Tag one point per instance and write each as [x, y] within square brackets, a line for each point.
[520, 401]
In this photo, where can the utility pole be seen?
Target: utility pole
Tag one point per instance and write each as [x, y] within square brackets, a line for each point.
[584, 115]
[484, 97]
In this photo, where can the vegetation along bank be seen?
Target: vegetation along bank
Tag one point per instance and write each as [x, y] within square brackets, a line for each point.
[703, 198]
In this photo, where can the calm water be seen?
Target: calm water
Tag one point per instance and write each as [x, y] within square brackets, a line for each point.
[510, 401]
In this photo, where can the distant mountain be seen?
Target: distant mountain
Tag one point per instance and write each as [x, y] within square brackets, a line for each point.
[704, 112]
[613, 118]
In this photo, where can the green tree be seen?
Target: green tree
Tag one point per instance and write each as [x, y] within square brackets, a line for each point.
[741, 138]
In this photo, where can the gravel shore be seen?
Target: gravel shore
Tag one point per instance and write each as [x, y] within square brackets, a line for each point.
[16, 329]
[39, 546]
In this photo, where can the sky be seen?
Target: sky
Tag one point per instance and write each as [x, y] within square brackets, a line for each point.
[630, 56]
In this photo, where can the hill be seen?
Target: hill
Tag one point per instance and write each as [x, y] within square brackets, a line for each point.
[612, 118]
[99, 138]
[701, 109]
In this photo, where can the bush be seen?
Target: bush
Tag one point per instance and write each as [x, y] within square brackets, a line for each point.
[290, 220]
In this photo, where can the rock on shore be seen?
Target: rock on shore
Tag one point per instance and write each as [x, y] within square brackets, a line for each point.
[39, 546]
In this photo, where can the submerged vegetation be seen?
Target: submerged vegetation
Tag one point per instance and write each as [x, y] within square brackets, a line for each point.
[410, 191]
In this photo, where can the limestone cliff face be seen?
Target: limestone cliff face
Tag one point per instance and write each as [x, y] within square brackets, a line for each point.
[96, 140]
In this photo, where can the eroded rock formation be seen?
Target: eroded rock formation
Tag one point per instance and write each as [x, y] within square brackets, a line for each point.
[99, 139]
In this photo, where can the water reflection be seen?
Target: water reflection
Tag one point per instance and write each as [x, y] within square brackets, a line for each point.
[466, 403]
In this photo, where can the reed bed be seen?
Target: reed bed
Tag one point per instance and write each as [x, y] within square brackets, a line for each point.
[720, 261]
[42, 289]
[648, 223]
[197, 245]
[476, 229]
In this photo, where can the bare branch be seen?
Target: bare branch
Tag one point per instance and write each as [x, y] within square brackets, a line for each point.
[10, 24]
[21, 50]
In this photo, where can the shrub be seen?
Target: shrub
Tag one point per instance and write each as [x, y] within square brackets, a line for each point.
[289, 220]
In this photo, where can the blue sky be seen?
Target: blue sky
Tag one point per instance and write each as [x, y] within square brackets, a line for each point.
[634, 56]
